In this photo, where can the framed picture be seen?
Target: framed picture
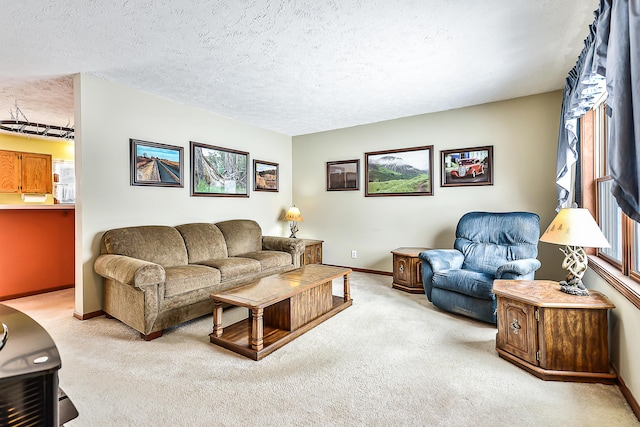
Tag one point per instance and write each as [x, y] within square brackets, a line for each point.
[156, 165]
[265, 176]
[217, 171]
[404, 172]
[343, 175]
[467, 166]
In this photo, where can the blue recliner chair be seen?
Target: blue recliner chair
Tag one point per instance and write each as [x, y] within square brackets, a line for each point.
[488, 246]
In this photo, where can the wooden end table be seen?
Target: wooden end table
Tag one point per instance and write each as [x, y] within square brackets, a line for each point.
[407, 270]
[281, 308]
[553, 335]
[312, 252]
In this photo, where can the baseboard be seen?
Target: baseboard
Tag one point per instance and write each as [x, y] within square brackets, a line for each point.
[87, 315]
[633, 403]
[364, 270]
[42, 291]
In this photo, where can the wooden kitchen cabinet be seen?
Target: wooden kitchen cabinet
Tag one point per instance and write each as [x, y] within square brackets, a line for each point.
[553, 335]
[26, 173]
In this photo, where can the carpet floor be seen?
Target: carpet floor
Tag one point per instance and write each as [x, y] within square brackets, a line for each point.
[392, 359]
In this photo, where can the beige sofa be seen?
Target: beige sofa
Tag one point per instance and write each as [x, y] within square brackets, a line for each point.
[159, 276]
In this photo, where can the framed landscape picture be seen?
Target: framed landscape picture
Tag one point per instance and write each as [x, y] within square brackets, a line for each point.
[343, 175]
[265, 176]
[155, 164]
[217, 171]
[467, 166]
[403, 172]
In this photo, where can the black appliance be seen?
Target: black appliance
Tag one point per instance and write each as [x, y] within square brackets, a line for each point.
[29, 364]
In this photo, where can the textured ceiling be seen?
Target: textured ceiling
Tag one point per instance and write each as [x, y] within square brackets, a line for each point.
[292, 66]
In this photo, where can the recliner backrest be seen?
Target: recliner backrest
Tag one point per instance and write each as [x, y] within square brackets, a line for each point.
[490, 239]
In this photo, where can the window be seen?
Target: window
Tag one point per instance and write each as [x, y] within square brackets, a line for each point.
[622, 233]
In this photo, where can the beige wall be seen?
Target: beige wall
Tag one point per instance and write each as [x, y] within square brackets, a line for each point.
[623, 327]
[106, 116]
[523, 133]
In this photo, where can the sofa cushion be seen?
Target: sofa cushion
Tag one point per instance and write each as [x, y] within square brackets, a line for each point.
[234, 267]
[270, 259]
[203, 241]
[472, 283]
[154, 243]
[242, 236]
[187, 278]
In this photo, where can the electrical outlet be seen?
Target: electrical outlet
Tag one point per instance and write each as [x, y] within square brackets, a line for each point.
[354, 254]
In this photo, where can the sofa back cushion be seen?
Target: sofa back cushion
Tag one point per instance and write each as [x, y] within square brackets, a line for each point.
[241, 235]
[204, 242]
[490, 239]
[154, 243]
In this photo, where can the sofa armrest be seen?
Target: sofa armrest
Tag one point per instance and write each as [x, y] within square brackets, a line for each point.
[295, 247]
[519, 269]
[130, 271]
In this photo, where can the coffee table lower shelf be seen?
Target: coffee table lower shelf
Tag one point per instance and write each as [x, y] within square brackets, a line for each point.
[237, 337]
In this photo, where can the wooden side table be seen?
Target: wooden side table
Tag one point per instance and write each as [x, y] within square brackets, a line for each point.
[553, 335]
[312, 252]
[407, 270]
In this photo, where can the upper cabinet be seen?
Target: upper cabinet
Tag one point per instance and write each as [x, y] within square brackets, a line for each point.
[25, 172]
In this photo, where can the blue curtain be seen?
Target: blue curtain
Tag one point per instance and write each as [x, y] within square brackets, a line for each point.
[612, 52]
[623, 104]
[584, 85]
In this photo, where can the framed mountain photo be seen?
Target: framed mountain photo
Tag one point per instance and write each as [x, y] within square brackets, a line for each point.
[402, 172]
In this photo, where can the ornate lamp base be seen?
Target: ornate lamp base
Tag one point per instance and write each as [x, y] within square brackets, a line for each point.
[293, 226]
[575, 262]
[574, 287]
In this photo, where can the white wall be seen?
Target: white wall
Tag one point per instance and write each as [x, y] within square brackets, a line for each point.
[107, 115]
[523, 133]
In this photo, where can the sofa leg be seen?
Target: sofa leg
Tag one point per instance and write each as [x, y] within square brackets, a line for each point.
[151, 336]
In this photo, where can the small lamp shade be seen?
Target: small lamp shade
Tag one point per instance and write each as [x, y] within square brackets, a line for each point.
[575, 227]
[293, 214]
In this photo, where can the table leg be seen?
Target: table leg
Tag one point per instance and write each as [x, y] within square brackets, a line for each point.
[217, 318]
[257, 331]
[347, 288]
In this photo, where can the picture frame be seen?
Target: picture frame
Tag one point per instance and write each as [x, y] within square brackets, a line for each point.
[471, 166]
[265, 176]
[156, 165]
[218, 171]
[400, 172]
[343, 175]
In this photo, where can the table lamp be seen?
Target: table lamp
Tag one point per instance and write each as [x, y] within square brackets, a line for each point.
[293, 215]
[575, 228]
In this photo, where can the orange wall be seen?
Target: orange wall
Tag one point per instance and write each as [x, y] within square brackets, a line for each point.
[36, 251]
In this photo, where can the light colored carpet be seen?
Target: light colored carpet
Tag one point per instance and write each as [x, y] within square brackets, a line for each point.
[391, 359]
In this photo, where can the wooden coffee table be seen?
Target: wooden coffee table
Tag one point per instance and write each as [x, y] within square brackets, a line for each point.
[281, 308]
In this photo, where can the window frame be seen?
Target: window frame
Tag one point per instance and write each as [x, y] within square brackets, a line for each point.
[593, 169]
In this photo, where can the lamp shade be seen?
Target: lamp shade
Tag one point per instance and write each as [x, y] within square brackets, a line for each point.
[575, 227]
[293, 214]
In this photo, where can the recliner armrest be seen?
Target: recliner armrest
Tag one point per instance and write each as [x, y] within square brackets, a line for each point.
[130, 271]
[514, 269]
[442, 259]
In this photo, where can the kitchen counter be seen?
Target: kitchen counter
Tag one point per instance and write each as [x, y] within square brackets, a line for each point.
[37, 249]
[41, 207]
